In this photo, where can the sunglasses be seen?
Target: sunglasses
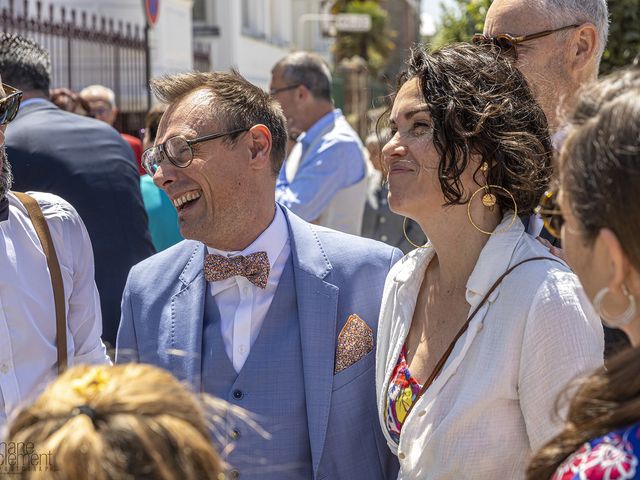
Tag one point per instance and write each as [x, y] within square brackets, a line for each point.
[10, 104]
[177, 150]
[549, 211]
[507, 43]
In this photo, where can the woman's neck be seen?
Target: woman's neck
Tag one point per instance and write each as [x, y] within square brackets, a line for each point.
[457, 243]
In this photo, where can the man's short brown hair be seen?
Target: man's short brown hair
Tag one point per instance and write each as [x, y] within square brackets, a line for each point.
[235, 103]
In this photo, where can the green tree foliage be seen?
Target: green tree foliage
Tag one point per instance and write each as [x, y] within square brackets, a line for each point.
[460, 21]
[375, 45]
[624, 35]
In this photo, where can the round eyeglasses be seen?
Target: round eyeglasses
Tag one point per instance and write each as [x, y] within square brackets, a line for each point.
[177, 150]
[507, 43]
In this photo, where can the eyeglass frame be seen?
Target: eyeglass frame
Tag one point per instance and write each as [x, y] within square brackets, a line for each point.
[515, 40]
[14, 93]
[275, 91]
[548, 210]
[190, 143]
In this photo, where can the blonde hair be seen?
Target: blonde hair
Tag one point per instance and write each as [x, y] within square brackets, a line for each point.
[122, 422]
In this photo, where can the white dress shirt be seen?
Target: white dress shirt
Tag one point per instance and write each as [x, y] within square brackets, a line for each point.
[28, 353]
[494, 402]
[243, 306]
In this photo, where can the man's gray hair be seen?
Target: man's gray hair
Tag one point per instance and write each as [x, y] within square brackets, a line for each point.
[308, 69]
[567, 12]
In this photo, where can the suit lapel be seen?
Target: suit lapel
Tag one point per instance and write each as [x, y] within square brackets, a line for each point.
[184, 336]
[317, 310]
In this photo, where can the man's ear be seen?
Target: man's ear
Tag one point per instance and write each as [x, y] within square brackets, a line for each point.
[303, 93]
[260, 146]
[584, 45]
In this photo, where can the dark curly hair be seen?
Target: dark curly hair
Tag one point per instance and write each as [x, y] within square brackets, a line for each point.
[480, 104]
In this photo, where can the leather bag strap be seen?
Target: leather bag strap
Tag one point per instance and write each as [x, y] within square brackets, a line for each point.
[44, 235]
[440, 365]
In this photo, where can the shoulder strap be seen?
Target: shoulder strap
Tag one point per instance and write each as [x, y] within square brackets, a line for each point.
[445, 356]
[44, 235]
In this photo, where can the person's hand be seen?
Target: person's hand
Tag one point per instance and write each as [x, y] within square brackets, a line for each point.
[555, 251]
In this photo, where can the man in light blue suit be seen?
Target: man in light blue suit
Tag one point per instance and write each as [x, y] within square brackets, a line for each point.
[258, 307]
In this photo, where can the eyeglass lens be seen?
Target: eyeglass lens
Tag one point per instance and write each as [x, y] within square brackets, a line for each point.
[176, 149]
[503, 42]
[9, 106]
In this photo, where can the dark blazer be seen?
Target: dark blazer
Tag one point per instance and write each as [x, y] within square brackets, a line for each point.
[87, 163]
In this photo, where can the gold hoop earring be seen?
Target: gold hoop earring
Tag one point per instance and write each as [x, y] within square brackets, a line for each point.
[404, 230]
[489, 200]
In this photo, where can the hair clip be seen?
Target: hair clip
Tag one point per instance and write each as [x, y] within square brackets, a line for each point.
[92, 383]
[88, 411]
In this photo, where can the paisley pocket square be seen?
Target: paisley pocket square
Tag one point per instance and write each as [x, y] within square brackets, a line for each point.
[354, 342]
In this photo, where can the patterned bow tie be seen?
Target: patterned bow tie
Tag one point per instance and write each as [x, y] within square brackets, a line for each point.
[255, 267]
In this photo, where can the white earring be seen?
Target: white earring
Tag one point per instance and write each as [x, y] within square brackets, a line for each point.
[612, 321]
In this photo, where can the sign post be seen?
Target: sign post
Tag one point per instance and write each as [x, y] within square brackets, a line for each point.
[151, 11]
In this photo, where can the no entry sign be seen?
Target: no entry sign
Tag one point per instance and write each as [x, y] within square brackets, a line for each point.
[151, 8]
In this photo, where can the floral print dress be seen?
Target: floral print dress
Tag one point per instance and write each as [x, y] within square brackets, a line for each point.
[612, 457]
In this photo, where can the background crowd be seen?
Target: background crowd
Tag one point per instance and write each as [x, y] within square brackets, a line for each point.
[467, 344]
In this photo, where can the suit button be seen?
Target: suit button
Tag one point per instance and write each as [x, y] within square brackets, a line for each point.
[401, 456]
[237, 394]
[384, 238]
[383, 219]
[234, 474]
[235, 434]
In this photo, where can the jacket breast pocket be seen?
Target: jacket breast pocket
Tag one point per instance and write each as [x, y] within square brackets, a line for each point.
[355, 371]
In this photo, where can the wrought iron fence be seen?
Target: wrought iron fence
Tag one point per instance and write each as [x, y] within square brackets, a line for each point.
[88, 50]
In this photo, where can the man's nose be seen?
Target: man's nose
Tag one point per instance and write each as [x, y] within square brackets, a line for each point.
[165, 174]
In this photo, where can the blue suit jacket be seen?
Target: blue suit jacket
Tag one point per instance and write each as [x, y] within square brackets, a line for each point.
[336, 275]
[86, 162]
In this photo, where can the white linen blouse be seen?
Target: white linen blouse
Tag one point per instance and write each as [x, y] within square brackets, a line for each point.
[494, 402]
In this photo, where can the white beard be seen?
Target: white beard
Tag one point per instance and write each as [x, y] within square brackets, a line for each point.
[6, 177]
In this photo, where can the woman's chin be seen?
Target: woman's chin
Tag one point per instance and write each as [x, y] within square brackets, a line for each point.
[400, 206]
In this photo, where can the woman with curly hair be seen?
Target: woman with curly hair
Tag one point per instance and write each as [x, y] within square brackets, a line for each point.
[125, 422]
[599, 217]
[481, 328]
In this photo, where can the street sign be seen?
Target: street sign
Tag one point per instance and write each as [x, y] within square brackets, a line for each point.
[353, 22]
[151, 10]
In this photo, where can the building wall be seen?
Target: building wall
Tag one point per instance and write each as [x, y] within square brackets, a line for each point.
[248, 35]
[252, 35]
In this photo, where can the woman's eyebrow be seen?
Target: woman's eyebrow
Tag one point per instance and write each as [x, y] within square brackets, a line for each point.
[411, 113]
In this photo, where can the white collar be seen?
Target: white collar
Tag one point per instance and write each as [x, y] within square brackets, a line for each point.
[493, 261]
[272, 240]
